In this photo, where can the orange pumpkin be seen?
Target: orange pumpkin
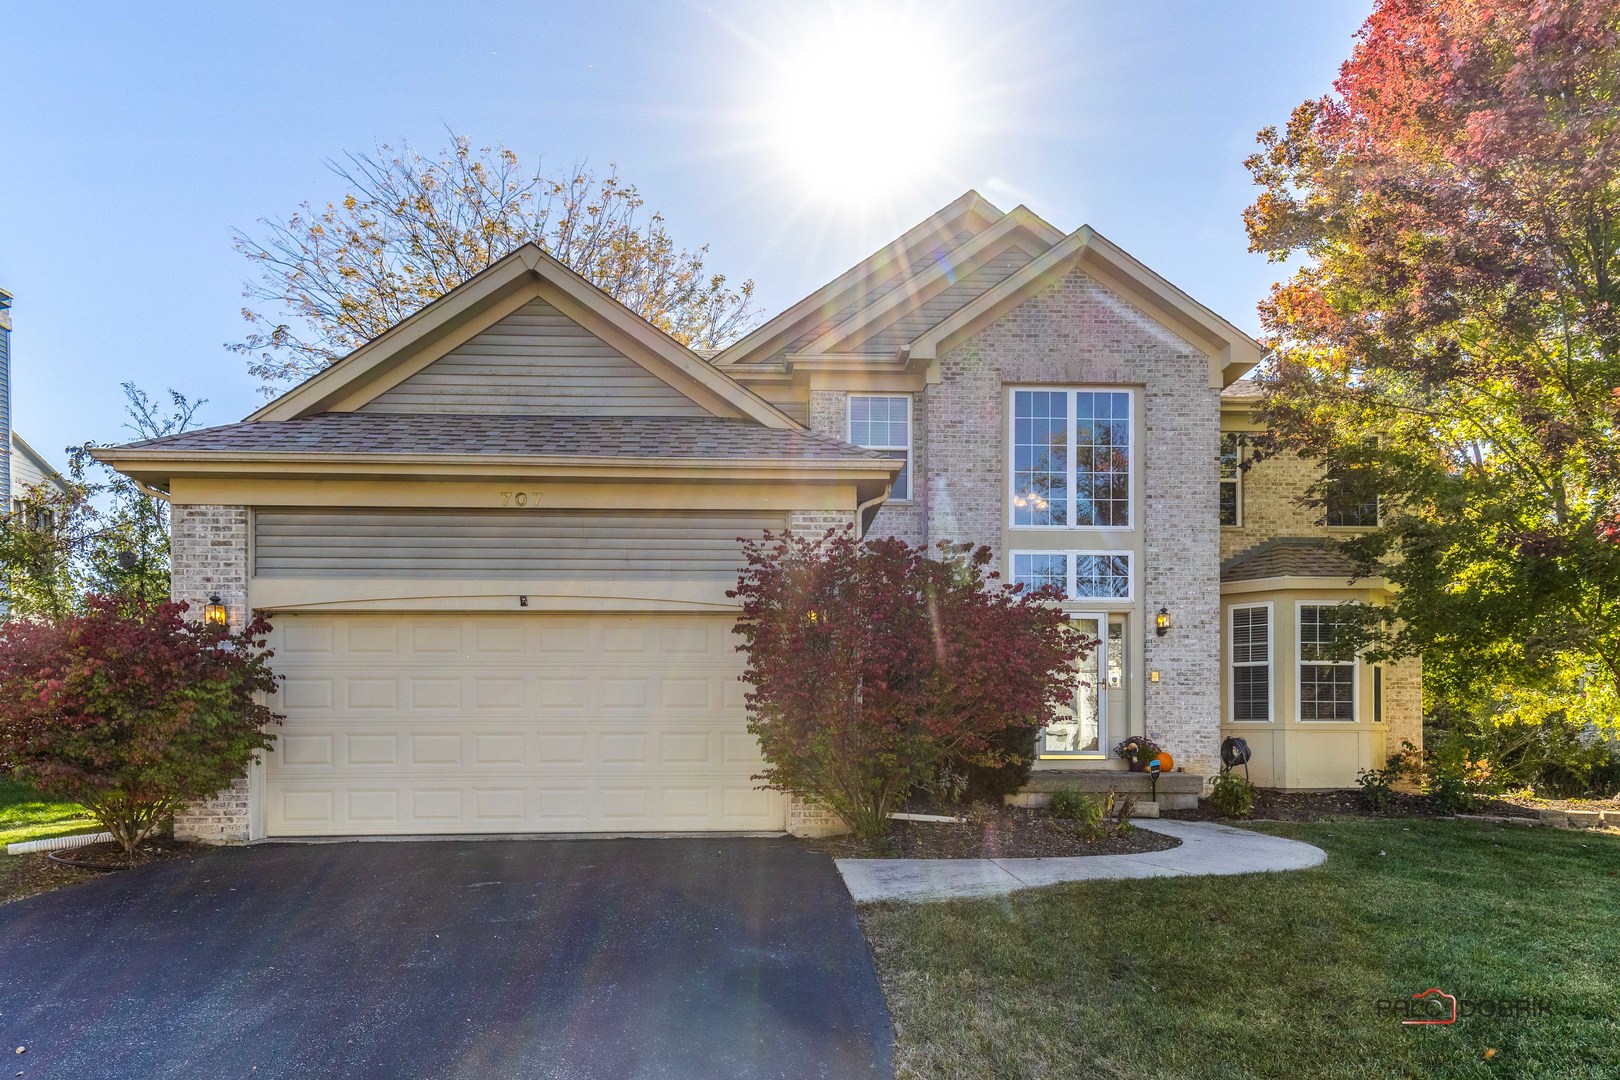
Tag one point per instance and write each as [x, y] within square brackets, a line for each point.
[1166, 762]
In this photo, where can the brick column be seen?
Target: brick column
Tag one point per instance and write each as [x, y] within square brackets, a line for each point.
[208, 556]
[806, 817]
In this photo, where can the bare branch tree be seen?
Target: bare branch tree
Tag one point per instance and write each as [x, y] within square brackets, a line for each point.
[411, 228]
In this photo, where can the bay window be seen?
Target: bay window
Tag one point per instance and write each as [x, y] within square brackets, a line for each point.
[1249, 654]
[1327, 665]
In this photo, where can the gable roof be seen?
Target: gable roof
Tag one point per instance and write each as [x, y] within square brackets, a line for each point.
[880, 274]
[499, 290]
[1231, 352]
[671, 438]
[50, 473]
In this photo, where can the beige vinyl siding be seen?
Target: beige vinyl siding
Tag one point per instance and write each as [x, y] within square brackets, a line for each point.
[924, 317]
[910, 265]
[536, 360]
[414, 544]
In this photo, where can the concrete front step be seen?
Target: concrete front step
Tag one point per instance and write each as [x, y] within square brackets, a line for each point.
[1176, 791]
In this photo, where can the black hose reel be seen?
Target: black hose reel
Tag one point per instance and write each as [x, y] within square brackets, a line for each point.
[1235, 752]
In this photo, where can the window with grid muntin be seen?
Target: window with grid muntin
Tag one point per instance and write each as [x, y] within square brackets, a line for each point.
[1071, 458]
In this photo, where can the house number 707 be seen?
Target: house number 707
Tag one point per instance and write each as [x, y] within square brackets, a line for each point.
[520, 498]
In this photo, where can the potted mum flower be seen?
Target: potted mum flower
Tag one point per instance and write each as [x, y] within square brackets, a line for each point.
[1137, 751]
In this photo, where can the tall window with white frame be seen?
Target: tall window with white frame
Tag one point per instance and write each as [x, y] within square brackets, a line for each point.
[1231, 479]
[1327, 665]
[883, 422]
[1081, 729]
[1071, 458]
[1249, 647]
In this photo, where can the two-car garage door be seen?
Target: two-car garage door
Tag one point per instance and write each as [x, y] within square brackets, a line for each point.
[410, 724]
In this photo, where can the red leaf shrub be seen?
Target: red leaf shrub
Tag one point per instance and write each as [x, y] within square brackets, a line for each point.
[873, 663]
[132, 714]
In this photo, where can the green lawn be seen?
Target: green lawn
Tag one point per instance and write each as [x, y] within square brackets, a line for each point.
[1275, 975]
[25, 814]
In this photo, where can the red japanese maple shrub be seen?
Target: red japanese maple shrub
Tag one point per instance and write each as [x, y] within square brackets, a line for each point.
[132, 714]
[872, 663]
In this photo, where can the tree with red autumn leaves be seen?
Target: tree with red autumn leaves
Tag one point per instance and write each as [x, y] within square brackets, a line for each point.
[1452, 338]
[132, 713]
[872, 664]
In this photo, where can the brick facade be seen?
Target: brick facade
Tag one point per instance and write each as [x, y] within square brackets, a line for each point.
[806, 817]
[209, 557]
[908, 521]
[1271, 503]
[1076, 332]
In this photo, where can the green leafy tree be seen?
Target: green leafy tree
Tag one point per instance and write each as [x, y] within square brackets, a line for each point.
[102, 534]
[872, 664]
[409, 228]
[132, 713]
[1452, 337]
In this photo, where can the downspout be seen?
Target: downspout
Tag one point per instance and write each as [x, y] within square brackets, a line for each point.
[146, 489]
[865, 517]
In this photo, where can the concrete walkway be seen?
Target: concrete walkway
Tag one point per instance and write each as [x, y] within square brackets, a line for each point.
[1205, 848]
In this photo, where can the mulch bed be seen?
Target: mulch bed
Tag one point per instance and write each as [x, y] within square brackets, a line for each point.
[110, 856]
[1274, 805]
[27, 875]
[992, 832]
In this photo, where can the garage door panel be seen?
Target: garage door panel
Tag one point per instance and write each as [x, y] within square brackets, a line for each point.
[524, 723]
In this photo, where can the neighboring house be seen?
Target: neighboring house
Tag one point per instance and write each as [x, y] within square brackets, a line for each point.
[496, 540]
[21, 467]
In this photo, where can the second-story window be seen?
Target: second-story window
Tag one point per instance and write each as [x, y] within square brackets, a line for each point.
[883, 422]
[1071, 458]
[1231, 479]
[1351, 500]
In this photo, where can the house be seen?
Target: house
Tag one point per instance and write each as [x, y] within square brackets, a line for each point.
[496, 540]
[22, 468]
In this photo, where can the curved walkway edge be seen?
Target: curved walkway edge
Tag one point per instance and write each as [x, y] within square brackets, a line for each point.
[1205, 848]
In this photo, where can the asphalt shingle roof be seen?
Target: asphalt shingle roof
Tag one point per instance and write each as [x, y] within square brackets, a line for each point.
[673, 437]
[1289, 556]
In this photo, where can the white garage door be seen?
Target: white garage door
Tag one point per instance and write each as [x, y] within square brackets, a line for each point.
[405, 724]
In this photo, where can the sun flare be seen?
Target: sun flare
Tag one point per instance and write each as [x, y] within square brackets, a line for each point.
[859, 109]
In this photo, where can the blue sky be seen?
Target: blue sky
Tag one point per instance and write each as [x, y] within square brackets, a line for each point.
[137, 136]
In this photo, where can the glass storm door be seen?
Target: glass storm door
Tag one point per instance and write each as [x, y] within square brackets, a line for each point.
[1079, 728]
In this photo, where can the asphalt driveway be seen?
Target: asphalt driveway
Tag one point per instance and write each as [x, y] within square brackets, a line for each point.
[712, 958]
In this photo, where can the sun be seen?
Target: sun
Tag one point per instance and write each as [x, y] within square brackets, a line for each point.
[862, 105]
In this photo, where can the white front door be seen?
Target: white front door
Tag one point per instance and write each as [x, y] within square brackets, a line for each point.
[1080, 730]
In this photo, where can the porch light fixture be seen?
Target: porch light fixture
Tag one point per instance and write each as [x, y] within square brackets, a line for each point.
[214, 613]
[1161, 622]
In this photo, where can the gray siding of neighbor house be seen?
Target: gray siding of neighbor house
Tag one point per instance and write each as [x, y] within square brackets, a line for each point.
[421, 544]
[536, 360]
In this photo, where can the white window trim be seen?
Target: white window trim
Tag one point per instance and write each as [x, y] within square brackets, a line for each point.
[1236, 481]
[1071, 573]
[911, 438]
[1130, 476]
[1354, 664]
[1232, 664]
[1103, 750]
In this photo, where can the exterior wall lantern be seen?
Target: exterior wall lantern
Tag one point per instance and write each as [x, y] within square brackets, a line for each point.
[1161, 622]
[214, 613]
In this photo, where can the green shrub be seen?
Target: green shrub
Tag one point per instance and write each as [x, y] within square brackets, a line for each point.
[1232, 794]
[1458, 787]
[988, 783]
[1377, 787]
[1095, 814]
